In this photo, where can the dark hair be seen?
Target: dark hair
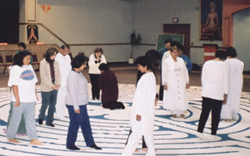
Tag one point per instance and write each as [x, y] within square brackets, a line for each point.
[144, 61]
[64, 46]
[50, 51]
[22, 45]
[220, 54]
[98, 49]
[179, 45]
[231, 51]
[167, 41]
[18, 60]
[175, 43]
[154, 55]
[103, 67]
[78, 61]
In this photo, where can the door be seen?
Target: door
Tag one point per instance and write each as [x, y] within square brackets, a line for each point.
[180, 29]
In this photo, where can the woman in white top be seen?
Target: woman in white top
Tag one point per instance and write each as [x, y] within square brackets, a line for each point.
[175, 80]
[214, 81]
[231, 109]
[143, 109]
[94, 61]
[22, 81]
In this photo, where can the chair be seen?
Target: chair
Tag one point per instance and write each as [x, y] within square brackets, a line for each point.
[35, 61]
[1, 61]
[8, 61]
[81, 53]
[70, 55]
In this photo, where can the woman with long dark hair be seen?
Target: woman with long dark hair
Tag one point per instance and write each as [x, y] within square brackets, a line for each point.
[50, 82]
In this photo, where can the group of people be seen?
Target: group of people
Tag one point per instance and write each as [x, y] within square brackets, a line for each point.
[63, 84]
[222, 80]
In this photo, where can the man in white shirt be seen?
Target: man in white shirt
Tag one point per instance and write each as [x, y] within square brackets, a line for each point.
[215, 83]
[64, 65]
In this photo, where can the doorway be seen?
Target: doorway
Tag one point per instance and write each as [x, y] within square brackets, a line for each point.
[180, 29]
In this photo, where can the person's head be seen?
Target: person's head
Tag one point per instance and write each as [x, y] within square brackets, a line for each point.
[79, 62]
[212, 6]
[64, 49]
[103, 67]
[23, 58]
[174, 51]
[144, 63]
[51, 54]
[154, 55]
[221, 55]
[167, 43]
[16, 59]
[21, 46]
[231, 52]
[174, 43]
[181, 49]
[98, 51]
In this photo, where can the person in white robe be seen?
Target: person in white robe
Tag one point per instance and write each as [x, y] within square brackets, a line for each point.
[143, 109]
[63, 60]
[231, 109]
[175, 80]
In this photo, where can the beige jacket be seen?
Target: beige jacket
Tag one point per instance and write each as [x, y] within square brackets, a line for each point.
[46, 82]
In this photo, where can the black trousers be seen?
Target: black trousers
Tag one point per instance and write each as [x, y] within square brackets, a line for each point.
[94, 79]
[208, 105]
[143, 141]
[161, 91]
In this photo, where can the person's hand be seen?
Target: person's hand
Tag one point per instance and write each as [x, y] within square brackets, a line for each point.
[54, 87]
[77, 111]
[138, 117]
[17, 103]
[224, 99]
[187, 86]
[165, 87]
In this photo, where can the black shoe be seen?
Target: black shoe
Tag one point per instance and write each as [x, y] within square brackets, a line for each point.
[95, 147]
[73, 148]
[40, 122]
[51, 125]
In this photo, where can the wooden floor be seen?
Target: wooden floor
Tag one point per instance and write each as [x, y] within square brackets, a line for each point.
[126, 74]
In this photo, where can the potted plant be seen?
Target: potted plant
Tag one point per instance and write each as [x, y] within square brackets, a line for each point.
[134, 40]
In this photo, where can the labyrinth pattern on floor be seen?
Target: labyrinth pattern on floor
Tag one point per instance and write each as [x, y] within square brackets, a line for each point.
[173, 137]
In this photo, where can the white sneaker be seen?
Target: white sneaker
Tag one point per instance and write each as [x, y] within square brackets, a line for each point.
[214, 137]
[61, 118]
[200, 135]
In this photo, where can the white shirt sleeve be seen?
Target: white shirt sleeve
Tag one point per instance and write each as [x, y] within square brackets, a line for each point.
[14, 77]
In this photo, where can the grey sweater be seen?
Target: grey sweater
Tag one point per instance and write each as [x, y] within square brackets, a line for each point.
[77, 90]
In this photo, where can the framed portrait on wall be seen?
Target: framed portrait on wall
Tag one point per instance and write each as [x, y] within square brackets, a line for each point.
[210, 20]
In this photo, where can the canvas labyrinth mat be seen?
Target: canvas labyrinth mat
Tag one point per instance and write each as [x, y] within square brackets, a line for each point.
[173, 137]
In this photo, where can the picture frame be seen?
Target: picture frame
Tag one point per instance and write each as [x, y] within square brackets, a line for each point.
[211, 19]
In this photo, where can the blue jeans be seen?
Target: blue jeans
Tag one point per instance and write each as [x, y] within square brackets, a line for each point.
[28, 110]
[77, 120]
[48, 99]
